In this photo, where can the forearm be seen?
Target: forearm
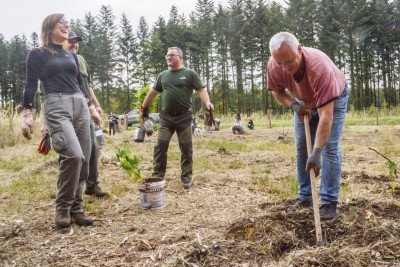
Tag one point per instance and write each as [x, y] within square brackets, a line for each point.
[149, 97]
[204, 96]
[283, 97]
[324, 125]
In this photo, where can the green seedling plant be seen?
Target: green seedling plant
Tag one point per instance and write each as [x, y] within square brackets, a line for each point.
[392, 173]
[130, 163]
[392, 169]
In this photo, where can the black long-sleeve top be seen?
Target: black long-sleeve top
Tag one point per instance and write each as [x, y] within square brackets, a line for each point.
[59, 73]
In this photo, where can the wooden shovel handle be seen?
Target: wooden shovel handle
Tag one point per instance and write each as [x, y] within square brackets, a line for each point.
[314, 192]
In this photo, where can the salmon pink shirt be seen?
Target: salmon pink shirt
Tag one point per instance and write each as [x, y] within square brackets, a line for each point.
[322, 82]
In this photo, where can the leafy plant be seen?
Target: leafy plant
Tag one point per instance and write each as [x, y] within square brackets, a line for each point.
[141, 95]
[392, 169]
[392, 172]
[130, 163]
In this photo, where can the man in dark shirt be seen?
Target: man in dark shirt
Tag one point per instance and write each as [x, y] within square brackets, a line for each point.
[112, 120]
[176, 86]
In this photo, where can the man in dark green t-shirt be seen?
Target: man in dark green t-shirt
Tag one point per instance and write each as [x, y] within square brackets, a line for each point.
[176, 86]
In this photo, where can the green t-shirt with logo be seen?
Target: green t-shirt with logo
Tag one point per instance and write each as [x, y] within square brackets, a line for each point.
[177, 88]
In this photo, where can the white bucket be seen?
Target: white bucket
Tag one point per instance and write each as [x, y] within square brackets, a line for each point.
[148, 126]
[139, 135]
[151, 192]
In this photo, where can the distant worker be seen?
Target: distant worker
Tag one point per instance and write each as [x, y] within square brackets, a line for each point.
[250, 124]
[112, 120]
[176, 86]
[237, 127]
[217, 123]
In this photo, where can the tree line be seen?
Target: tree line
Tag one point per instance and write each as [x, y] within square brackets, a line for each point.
[229, 48]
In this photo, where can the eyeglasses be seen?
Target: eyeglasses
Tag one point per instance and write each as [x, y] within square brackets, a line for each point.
[171, 55]
[63, 22]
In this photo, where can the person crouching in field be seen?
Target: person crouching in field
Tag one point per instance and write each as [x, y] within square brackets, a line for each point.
[250, 124]
[237, 127]
[67, 113]
[217, 123]
[314, 79]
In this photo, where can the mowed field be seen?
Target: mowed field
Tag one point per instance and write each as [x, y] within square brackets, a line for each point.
[234, 215]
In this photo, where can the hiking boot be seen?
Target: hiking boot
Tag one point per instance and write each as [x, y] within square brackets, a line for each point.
[96, 191]
[63, 219]
[300, 204]
[81, 219]
[187, 185]
[328, 211]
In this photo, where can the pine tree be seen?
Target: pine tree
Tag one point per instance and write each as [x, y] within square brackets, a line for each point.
[143, 36]
[106, 57]
[128, 51]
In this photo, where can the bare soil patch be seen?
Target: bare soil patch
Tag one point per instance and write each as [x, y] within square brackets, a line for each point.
[234, 215]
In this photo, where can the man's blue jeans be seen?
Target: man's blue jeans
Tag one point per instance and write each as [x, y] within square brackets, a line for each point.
[331, 154]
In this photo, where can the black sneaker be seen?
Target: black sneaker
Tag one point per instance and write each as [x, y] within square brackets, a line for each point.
[328, 211]
[300, 204]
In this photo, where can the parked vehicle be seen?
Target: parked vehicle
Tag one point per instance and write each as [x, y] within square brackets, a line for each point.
[134, 117]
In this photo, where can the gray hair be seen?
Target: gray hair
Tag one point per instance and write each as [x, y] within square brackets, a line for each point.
[177, 49]
[283, 38]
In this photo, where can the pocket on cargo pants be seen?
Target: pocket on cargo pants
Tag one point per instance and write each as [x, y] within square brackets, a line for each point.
[59, 140]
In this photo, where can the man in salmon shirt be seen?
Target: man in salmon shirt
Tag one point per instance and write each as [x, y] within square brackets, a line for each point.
[313, 79]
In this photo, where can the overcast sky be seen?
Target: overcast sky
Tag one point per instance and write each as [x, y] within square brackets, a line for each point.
[26, 16]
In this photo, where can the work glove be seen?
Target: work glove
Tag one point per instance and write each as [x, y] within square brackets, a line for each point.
[95, 116]
[99, 110]
[45, 145]
[27, 124]
[210, 118]
[144, 112]
[300, 110]
[314, 161]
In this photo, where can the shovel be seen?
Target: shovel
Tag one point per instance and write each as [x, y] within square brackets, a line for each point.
[314, 192]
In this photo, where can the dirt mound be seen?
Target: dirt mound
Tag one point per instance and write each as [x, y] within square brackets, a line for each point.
[364, 234]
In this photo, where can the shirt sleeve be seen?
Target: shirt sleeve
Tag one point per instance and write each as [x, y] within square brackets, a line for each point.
[197, 83]
[158, 85]
[32, 77]
[325, 89]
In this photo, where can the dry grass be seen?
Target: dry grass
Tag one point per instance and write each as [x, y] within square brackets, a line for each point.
[233, 216]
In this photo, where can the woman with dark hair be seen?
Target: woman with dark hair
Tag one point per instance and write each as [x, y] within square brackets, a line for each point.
[66, 115]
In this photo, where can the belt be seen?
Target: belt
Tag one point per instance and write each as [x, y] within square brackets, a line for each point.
[177, 113]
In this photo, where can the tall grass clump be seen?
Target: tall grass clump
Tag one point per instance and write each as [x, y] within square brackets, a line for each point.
[11, 128]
